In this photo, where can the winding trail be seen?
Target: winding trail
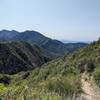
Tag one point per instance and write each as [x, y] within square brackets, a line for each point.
[91, 91]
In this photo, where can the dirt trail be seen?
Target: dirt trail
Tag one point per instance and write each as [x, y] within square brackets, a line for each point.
[90, 89]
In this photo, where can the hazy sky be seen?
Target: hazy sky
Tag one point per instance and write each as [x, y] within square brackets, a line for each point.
[59, 19]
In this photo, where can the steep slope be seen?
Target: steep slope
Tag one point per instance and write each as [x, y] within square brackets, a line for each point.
[86, 59]
[55, 47]
[21, 56]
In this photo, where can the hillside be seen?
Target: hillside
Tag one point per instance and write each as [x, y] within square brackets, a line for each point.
[54, 46]
[58, 79]
[21, 56]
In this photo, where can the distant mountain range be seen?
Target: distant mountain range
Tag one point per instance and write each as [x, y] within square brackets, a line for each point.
[53, 46]
[71, 47]
[69, 41]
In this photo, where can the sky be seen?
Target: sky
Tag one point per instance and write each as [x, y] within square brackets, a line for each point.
[77, 20]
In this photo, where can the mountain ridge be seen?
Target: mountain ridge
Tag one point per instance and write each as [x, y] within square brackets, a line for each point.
[53, 46]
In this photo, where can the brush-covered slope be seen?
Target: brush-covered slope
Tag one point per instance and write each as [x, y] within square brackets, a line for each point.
[56, 47]
[21, 56]
[53, 81]
[86, 59]
[58, 79]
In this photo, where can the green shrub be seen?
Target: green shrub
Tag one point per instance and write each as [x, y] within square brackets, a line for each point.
[63, 86]
[97, 75]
